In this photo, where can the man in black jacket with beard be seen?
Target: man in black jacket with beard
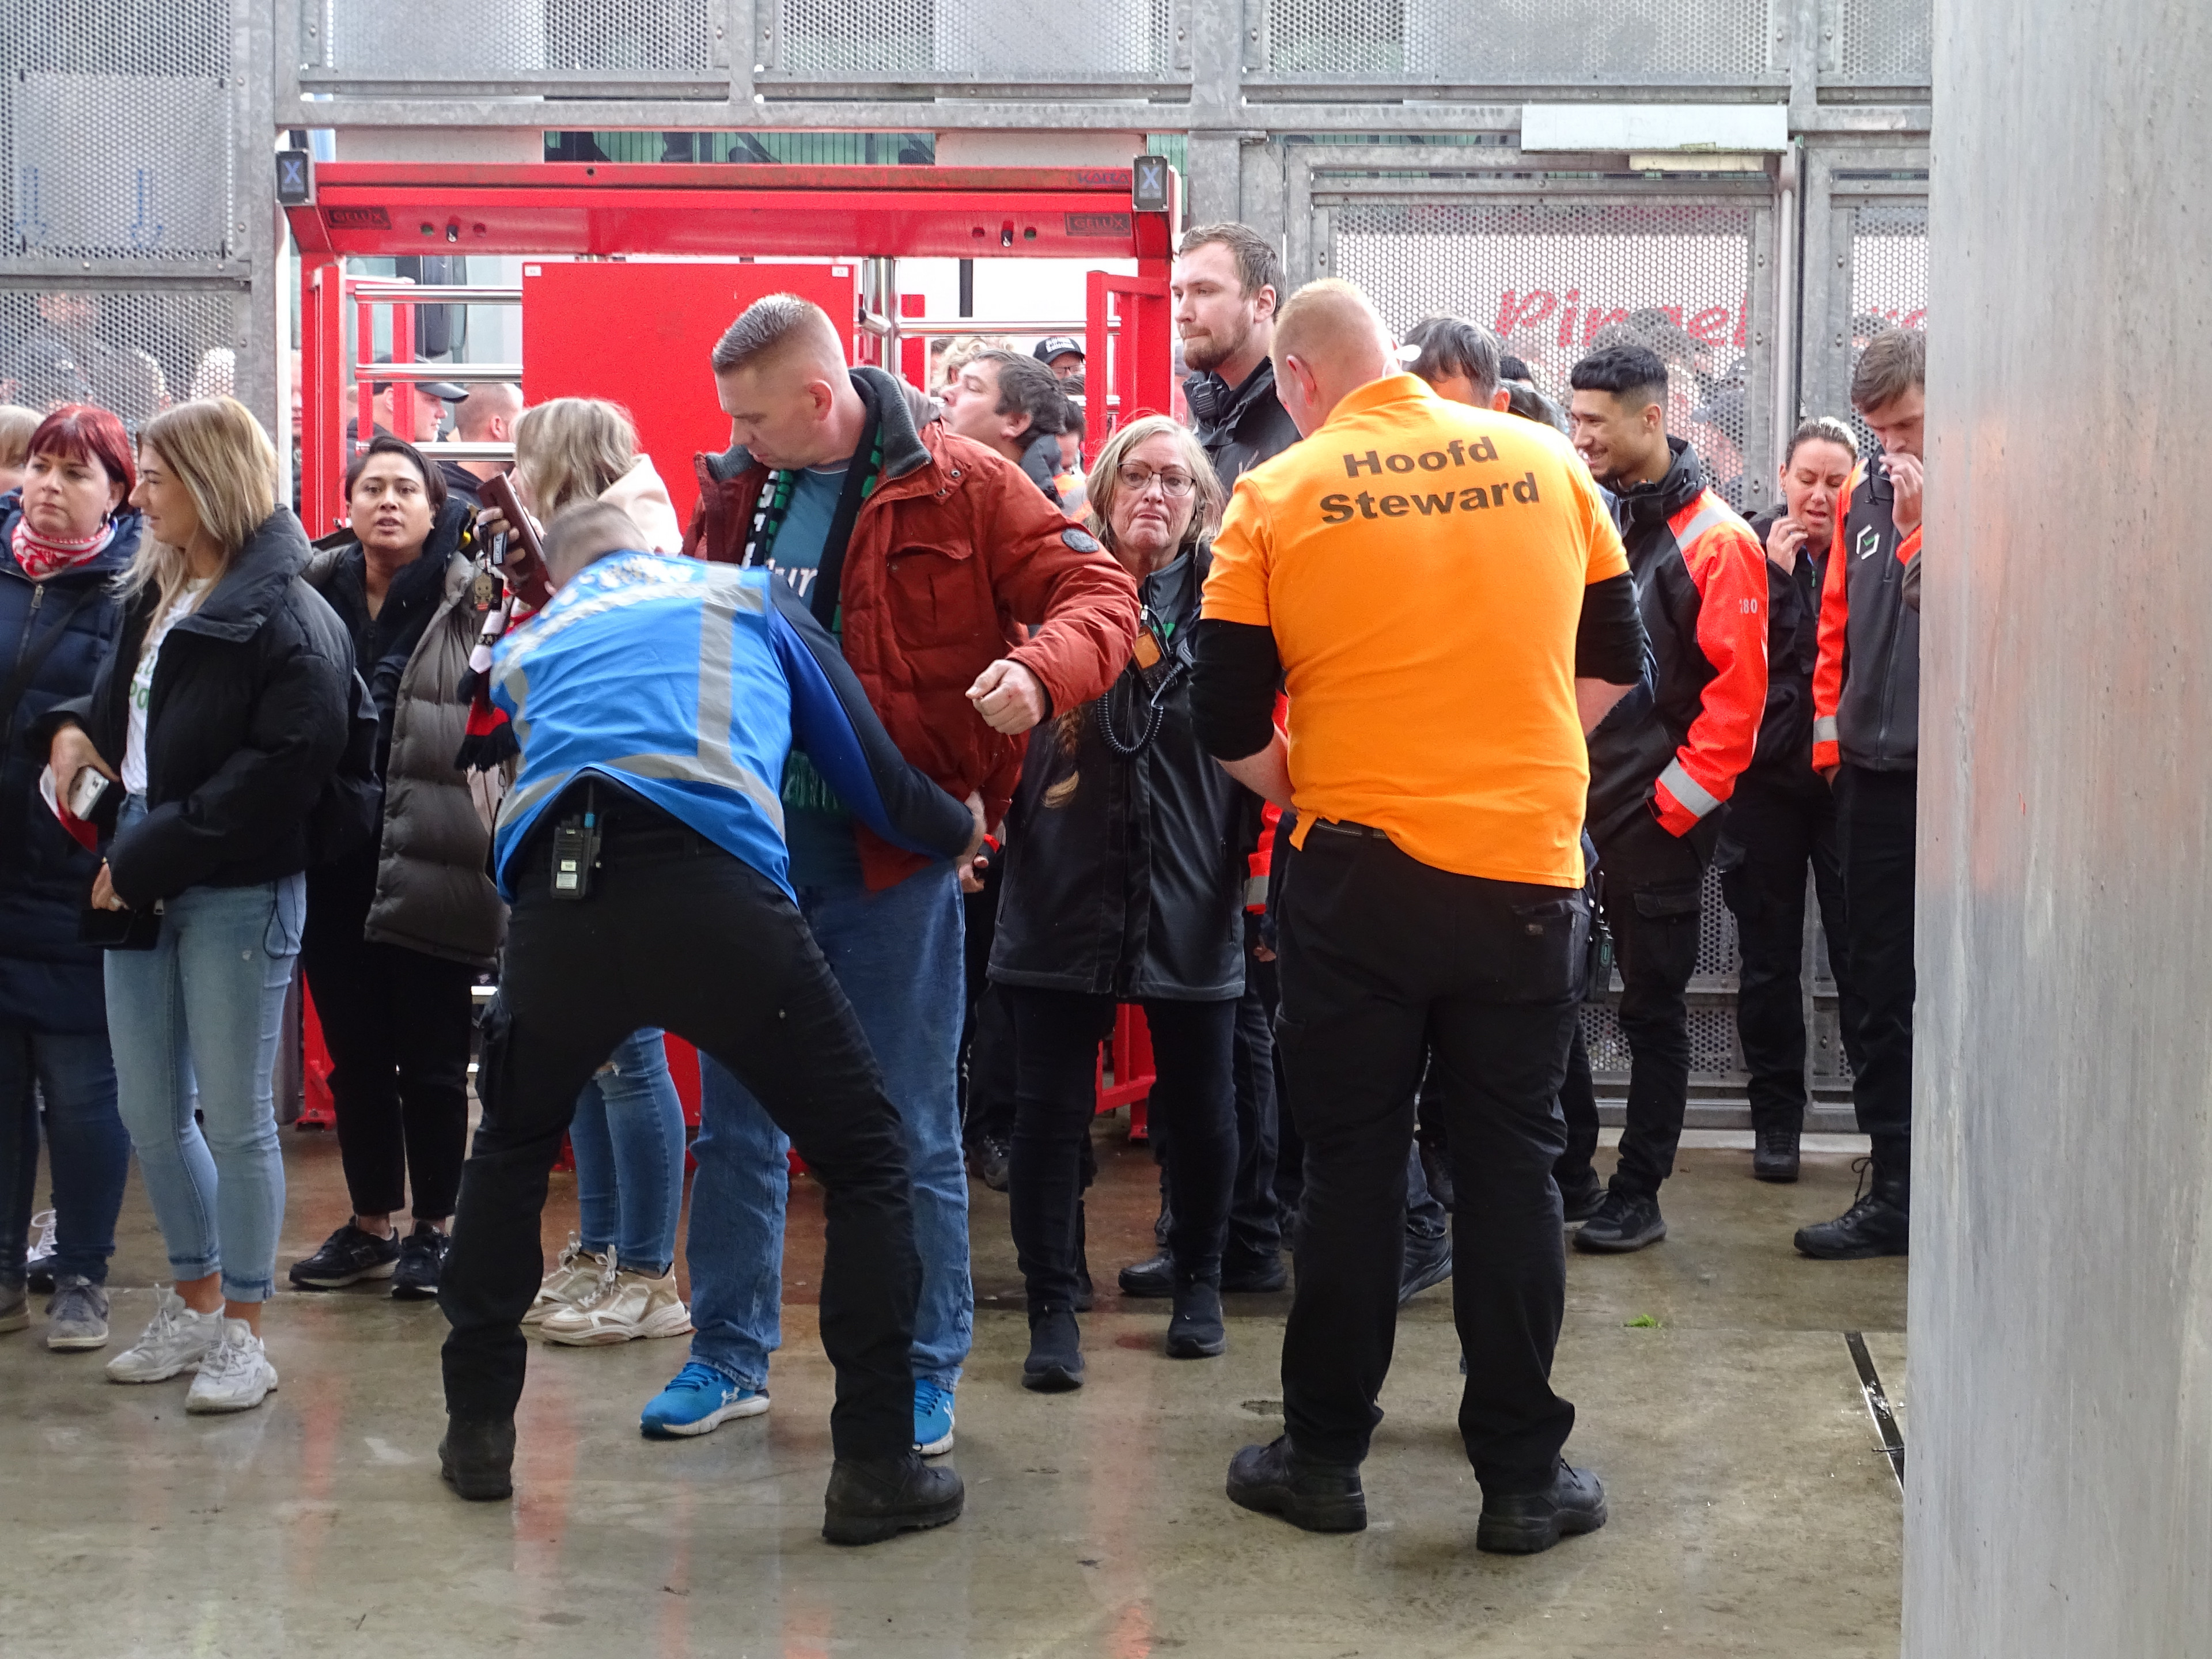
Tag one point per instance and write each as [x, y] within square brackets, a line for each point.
[1226, 280]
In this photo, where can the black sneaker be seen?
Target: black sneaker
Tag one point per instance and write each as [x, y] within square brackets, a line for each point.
[1624, 1222]
[348, 1256]
[1318, 1497]
[421, 1253]
[1155, 1276]
[1579, 1199]
[1054, 1364]
[1428, 1262]
[1196, 1332]
[1256, 1278]
[476, 1457]
[868, 1502]
[1774, 1154]
[1879, 1222]
[1527, 1523]
[989, 1158]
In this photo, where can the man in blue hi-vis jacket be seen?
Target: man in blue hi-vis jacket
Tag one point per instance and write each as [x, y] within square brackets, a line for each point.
[641, 847]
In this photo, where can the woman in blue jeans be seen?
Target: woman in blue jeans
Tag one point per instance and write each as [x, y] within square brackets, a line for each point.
[65, 535]
[617, 1281]
[221, 710]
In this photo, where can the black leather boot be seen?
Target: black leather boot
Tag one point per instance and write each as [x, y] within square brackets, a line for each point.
[1774, 1152]
[1878, 1224]
[1196, 1332]
[1318, 1497]
[1056, 1360]
[868, 1502]
[1527, 1523]
[476, 1457]
[1154, 1276]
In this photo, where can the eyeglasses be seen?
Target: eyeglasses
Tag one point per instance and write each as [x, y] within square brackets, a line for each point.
[1138, 479]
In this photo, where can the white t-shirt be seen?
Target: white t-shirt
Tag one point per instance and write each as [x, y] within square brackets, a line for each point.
[142, 683]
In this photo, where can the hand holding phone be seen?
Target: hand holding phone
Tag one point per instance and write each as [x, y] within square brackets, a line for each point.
[525, 564]
[85, 791]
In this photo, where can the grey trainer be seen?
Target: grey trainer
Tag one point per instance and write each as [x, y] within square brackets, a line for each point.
[76, 1315]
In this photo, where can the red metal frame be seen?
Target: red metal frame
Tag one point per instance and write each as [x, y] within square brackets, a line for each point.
[614, 211]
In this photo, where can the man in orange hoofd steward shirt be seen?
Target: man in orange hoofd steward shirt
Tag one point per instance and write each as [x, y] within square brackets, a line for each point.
[1665, 759]
[1440, 591]
[1866, 741]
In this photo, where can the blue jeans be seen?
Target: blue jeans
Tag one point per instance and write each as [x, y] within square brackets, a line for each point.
[206, 1005]
[628, 1139]
[896, 955]
[86, 1146]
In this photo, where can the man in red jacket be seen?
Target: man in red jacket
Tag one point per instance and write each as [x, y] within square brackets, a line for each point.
[924, 553]
[1666, 758]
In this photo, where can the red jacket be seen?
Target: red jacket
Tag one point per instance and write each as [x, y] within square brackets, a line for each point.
[953, 552]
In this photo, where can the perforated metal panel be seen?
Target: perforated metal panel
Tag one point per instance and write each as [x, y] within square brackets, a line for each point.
[134, 353]
[1889, 281]
[1553, 279]
[116, 131]
[974, 40]
[464, 40]
[1715, 1056]
[1507, 42]
[1885, 43]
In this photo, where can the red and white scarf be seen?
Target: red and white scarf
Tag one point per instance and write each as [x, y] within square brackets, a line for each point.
[42, 556]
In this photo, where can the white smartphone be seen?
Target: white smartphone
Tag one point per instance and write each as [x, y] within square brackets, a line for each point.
[85, 791]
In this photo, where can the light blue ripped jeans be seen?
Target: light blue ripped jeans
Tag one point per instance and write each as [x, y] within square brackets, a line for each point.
[205, 1006]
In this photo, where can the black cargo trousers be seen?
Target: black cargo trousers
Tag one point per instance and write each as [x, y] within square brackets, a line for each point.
[1386, 961]
[677, 933]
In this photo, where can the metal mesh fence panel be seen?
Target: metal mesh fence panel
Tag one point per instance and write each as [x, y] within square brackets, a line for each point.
[1552, 279]
[133, 352]
[1885, 43]
[116, 131]
[1889, 281]
[1715, 1055]
[466, 40]
[1507, 42]
[979, 40]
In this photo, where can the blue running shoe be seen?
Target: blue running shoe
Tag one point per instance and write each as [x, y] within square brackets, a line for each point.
[699, 1400]
[932, 1418]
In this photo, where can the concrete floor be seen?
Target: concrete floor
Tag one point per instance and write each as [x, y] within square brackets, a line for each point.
[1752, 1514]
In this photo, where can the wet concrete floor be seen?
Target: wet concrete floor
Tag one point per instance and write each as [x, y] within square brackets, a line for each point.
[1751, 1511]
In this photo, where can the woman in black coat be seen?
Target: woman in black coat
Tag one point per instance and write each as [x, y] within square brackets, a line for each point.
[223, 709]
[1124, 883]
[64, 538]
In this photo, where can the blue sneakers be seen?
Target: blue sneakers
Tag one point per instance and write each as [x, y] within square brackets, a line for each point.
[933, 1417]
[699, 1400]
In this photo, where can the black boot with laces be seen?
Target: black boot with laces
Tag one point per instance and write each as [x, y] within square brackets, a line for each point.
[1878, 1224]
[1774, 1152]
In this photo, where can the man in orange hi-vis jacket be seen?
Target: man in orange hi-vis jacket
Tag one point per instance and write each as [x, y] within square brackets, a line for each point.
[1866, 741]
[1668, 754]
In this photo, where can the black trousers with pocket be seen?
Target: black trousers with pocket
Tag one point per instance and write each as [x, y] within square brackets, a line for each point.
[1386, 960]
[1056, 1038]
[397, 1023]
[1773, 830]
[1653, 895]
[677, 933]
[1876, 813]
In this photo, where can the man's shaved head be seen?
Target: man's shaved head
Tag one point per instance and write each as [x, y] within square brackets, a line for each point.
[780, 375]
[586, 531]
[475, 415]
[776, 327]
[1329, 343]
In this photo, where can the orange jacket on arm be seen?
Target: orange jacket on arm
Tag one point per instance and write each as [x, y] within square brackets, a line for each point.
[1728, 569]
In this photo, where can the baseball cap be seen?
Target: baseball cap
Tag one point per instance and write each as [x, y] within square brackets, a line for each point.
[1057, 345]
[443, 391]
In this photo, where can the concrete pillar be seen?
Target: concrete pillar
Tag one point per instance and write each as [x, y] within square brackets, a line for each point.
[2060, 1411]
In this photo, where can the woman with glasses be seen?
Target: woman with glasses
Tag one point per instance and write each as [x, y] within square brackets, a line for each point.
[1124, 883]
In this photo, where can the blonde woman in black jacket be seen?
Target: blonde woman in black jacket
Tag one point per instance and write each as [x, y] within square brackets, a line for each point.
[222, 708]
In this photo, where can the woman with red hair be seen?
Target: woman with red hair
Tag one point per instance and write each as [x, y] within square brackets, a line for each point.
[66, 534]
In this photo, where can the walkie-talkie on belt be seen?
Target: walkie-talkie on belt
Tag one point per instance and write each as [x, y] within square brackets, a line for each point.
[576, 849]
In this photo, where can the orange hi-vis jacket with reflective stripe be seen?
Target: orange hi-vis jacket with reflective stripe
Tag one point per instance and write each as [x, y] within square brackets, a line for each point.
[1866, 684]
[1675, 746]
